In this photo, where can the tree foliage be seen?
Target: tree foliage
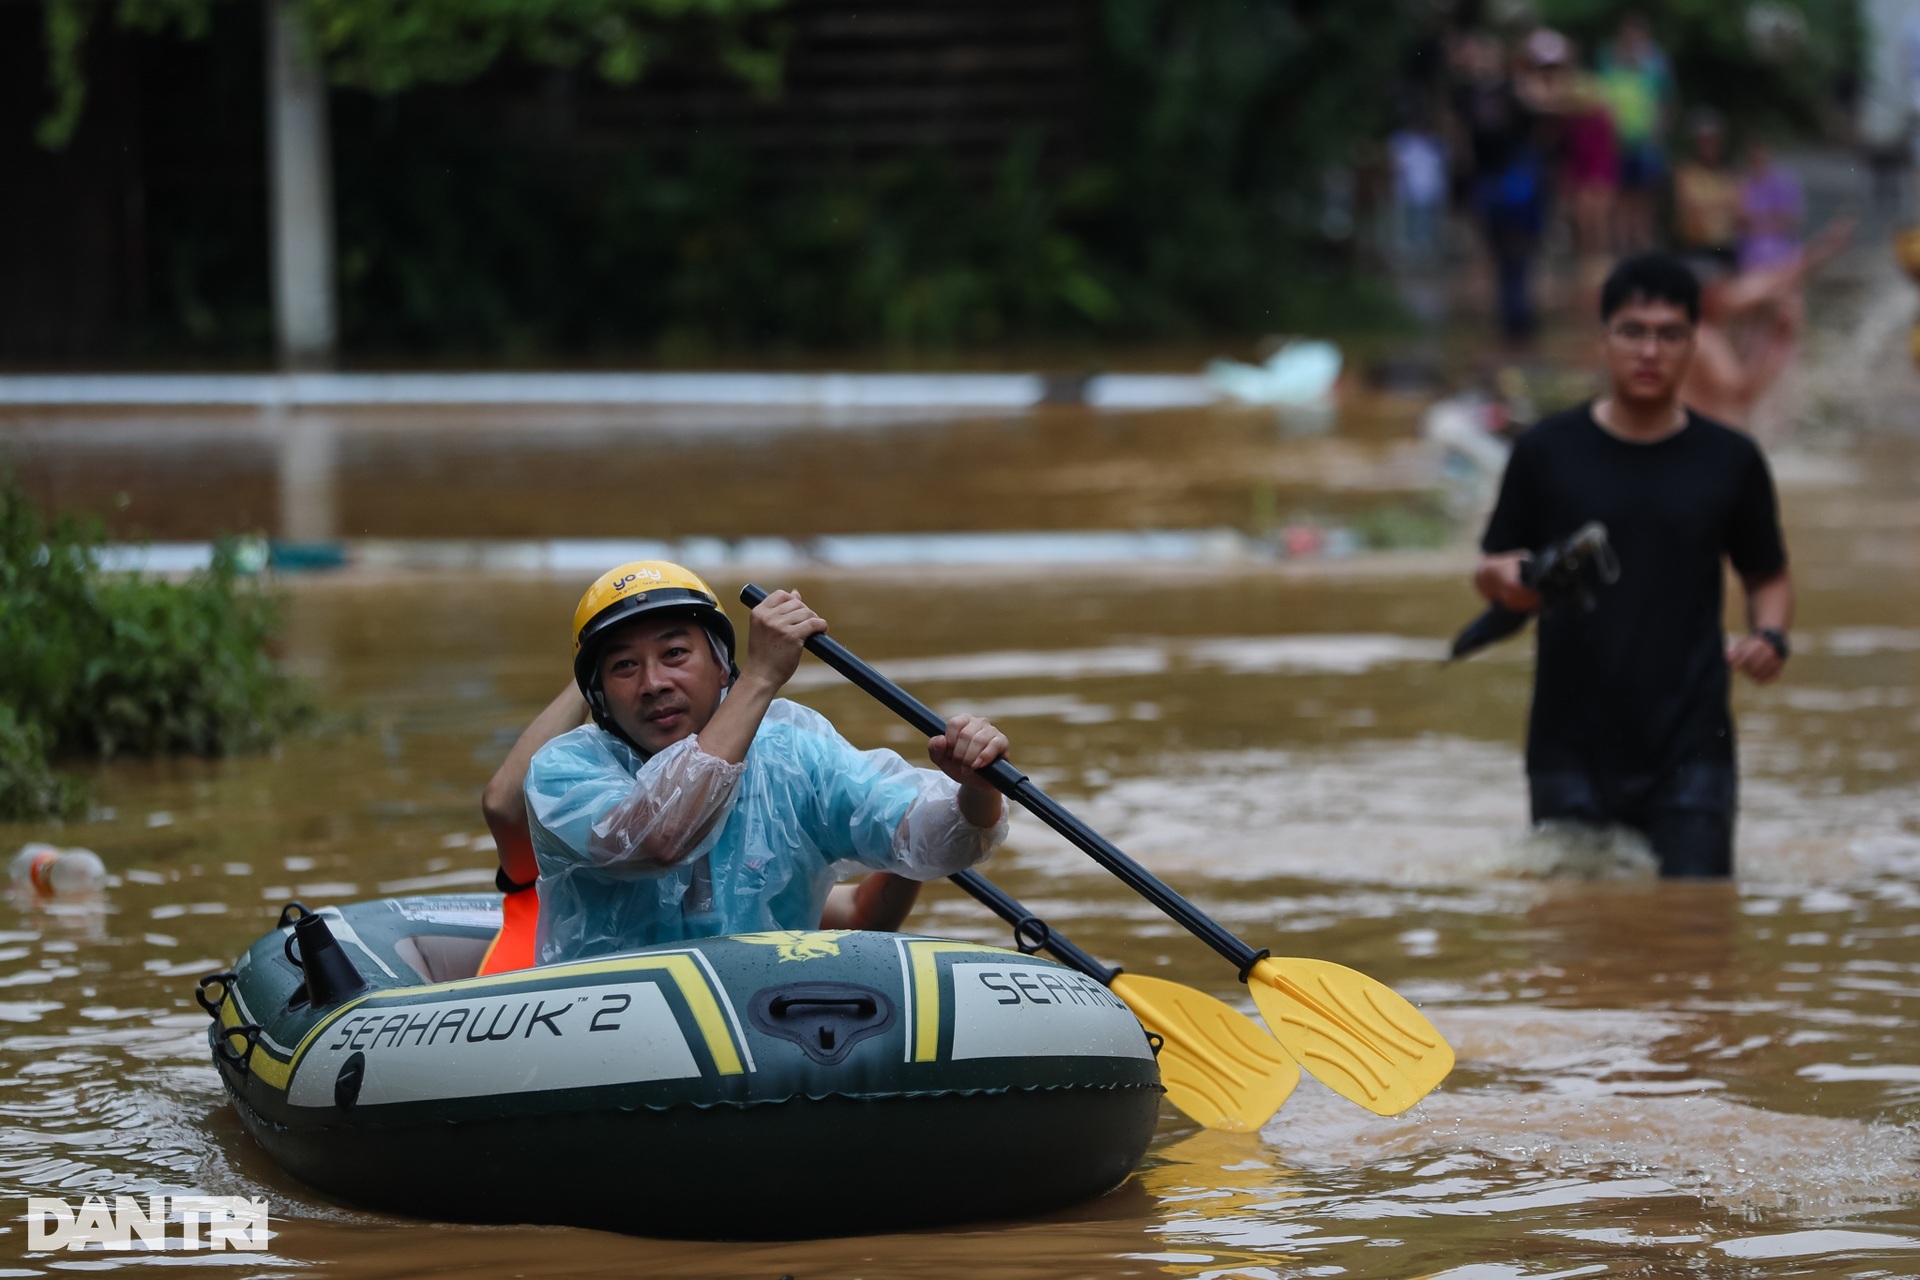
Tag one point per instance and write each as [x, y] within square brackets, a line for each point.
[386, 46]
[1198, 195]
[389, 45]
[1191, 204]
[1218, 124]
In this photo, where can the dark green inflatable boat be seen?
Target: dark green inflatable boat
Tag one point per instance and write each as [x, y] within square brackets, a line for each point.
[770, 1085]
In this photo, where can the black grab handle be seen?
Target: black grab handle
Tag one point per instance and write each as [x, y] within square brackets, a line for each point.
[1015, 785]
[993, 898]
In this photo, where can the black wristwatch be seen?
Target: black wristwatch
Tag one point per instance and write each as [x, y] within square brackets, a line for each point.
[506, 884]
[1777, 640]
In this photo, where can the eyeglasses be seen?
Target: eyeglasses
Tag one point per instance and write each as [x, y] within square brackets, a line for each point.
[1630, 334]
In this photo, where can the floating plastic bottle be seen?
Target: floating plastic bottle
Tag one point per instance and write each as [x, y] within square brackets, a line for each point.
[53, 872]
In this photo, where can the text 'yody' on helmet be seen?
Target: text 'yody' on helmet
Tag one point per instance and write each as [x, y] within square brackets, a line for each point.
[639, 589]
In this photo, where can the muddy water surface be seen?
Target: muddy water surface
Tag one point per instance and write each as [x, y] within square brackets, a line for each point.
[673, 473]
[1654, 1079]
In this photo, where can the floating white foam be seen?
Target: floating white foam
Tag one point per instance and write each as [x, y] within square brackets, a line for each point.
[1699, 1144]
[1505, 1271]
[444, 880]
[1854, 642]
[1839, 1073]
[1556, 1113]
[1065, 708]
[1239, 655]
[1092, 546]
[1427, 811]
[1813, 1244]
[1007, 664]
[1338, 654]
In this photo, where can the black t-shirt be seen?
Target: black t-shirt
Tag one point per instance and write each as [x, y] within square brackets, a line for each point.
[1639, 685]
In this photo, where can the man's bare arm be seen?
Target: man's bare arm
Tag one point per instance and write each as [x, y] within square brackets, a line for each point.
[504, 802]
[1769, 608]
[882, 901]
[1781, 286]
[777, 632]
[1717, 383]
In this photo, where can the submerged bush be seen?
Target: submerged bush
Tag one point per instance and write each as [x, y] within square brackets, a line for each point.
[29, 787]
[96, 666]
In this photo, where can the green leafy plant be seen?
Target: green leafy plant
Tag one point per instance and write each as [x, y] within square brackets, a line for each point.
[29, 788]
[95, 665]
[1404, 525]
[389, 45]
[1192, 206]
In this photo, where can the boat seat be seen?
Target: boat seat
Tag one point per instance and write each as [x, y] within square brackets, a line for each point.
[442, 958]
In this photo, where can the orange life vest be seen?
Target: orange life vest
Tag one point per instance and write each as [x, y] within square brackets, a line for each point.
[512, 947]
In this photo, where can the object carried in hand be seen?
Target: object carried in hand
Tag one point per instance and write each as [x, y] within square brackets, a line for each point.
[1558, 573]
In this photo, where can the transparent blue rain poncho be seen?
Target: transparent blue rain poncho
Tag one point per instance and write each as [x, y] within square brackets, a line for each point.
[636, 850]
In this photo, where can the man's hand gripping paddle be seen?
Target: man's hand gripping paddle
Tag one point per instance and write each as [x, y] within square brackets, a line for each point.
[1218, 1065]
[1355, 1034]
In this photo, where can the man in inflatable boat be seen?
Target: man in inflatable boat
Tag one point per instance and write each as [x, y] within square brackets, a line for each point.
[697, 803]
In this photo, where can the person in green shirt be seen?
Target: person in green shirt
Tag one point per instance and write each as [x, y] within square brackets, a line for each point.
[1636, 80]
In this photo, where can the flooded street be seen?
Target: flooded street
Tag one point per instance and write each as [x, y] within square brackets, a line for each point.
[1655, 1079]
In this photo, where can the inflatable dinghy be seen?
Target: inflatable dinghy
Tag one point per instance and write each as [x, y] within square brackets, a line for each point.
[772, 1085]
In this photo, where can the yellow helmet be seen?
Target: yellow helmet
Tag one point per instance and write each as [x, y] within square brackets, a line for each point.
[635, 590]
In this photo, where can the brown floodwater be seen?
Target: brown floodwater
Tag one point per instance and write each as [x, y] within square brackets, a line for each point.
[1655, 1079]
[673, 473]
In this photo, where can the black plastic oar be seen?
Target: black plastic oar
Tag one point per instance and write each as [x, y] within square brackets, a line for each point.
[1356, 1035]
[1218, 1065]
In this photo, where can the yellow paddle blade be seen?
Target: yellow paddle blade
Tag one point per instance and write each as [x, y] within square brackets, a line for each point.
[1218, 1065]
[1357, 1035]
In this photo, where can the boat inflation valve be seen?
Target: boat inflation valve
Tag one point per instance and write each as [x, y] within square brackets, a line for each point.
[329, 976]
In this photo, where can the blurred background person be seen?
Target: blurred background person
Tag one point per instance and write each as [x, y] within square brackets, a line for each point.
[1588, 154]
[1773, 208]
[1637, 79]
[1508, 182]
[1418, 157]
[1706, 194]
[1909, 63]
[1750, 328]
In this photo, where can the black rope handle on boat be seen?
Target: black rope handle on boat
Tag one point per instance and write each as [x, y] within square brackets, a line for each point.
[240, 1060]
[1031, 934]
[226, 981]
[864, 1006]
[287, 917]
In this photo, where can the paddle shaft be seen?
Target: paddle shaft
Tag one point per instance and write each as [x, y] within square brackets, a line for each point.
[1029, 927]
[1016, 786]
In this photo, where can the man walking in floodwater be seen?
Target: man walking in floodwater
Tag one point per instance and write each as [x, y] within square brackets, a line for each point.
[1630, 723]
